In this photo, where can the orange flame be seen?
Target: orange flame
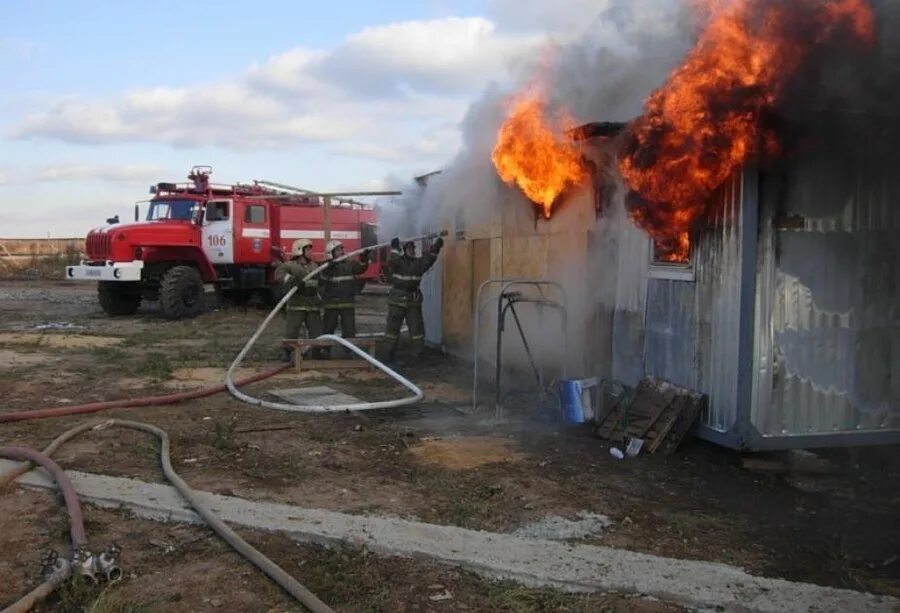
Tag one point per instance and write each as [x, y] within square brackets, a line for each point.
[709, 117]
[530, 153]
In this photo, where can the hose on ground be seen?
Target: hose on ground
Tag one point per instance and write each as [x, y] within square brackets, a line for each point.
[48, 586]
[49, 450]
[76, 519]
[360, 406]
[76, 523]
[275, 572]
[146, 401]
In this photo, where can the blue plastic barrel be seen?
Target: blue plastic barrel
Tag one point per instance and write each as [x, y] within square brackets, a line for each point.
[570, 395]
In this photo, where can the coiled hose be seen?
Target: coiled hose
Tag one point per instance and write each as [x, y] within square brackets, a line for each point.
[312, 408]
[275, 572]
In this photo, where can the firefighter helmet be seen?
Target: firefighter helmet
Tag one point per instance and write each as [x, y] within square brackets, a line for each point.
[299, 245]
[331, 246]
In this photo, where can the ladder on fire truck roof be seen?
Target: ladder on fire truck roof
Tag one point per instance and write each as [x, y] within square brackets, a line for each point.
[336, 199]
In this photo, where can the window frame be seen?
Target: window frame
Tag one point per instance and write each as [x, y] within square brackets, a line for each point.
[248, 213]
[214, 204]
[672, 271]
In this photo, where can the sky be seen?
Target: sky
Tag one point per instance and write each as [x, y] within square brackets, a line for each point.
[104, 98]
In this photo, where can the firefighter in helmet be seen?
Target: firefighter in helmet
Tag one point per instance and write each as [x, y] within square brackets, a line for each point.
[405, 298]
[339, 288]
[304, 307]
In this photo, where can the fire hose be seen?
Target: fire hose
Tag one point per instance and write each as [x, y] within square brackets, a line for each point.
[297, 590]
[146, 401]
[57, 570]
[275, 572]
[313, 408]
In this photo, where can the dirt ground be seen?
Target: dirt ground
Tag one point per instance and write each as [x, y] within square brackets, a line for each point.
[433, 462]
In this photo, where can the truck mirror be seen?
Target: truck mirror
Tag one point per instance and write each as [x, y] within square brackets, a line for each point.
[137, 212]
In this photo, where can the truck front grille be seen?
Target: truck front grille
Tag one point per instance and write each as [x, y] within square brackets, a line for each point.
[98, 246]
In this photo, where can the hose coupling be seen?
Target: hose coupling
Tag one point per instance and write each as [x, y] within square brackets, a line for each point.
[106, 564]
[84, 564]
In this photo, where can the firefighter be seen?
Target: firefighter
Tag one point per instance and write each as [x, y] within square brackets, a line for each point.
[405, 298]
[339, 287]
[304, 307]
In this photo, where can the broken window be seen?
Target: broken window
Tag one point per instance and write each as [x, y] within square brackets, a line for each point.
[671, 257]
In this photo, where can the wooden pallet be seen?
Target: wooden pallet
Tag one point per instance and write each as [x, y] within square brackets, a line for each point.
[299, 345]
[659, 412]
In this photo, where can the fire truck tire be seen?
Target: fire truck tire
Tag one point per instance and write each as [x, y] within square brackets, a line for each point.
[119, 298]
[181, 292]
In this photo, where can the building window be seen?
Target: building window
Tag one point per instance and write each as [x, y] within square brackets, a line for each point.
[256, 213]
[460, 233]
[671, 258]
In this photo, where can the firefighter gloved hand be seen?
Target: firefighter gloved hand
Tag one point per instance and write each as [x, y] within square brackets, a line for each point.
[395, 244]
[364, 257]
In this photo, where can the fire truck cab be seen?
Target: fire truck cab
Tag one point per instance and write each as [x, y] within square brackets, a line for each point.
[200, 236]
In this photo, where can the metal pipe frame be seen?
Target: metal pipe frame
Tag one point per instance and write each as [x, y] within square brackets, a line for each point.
[539, 284]
[511, 300]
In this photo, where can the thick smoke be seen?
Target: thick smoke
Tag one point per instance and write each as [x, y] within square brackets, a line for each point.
[851, 97]
[605, 76]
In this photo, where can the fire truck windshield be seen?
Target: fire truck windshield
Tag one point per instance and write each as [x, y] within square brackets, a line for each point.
[171, 209]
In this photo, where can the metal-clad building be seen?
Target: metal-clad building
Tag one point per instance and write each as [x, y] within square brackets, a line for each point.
[788, 315]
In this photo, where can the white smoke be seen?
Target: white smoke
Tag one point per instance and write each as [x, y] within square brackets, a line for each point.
[625, 53]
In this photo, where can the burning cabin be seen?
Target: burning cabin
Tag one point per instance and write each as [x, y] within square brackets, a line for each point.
[785, 310]
[738, 238]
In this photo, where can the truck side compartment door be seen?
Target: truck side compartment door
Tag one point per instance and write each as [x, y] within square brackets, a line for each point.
[255, 240]
[217, 233]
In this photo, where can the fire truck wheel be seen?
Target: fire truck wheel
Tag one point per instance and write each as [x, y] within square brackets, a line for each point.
[119, 298]
[181, 292]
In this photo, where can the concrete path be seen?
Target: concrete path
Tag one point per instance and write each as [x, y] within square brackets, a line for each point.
[532, 562]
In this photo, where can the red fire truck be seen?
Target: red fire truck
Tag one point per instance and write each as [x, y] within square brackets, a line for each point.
[200, 235]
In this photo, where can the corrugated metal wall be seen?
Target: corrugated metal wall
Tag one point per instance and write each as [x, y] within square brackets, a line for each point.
[828, 305]
[691, 327]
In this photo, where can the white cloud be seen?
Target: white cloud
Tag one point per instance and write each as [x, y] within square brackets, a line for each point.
[130, 174]
[445, 56]
[362, 95]
[226, 115]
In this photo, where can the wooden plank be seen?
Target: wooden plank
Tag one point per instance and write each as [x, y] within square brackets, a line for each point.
[458, 294]
[612, 423]
[659, 405]
[609, 422]
[685, 422]
[667, 422]
[332, 364]
[311, 342]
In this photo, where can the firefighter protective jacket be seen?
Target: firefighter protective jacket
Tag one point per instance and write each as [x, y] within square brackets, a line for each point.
[306, 298]
[339, 282]
[406, 274]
